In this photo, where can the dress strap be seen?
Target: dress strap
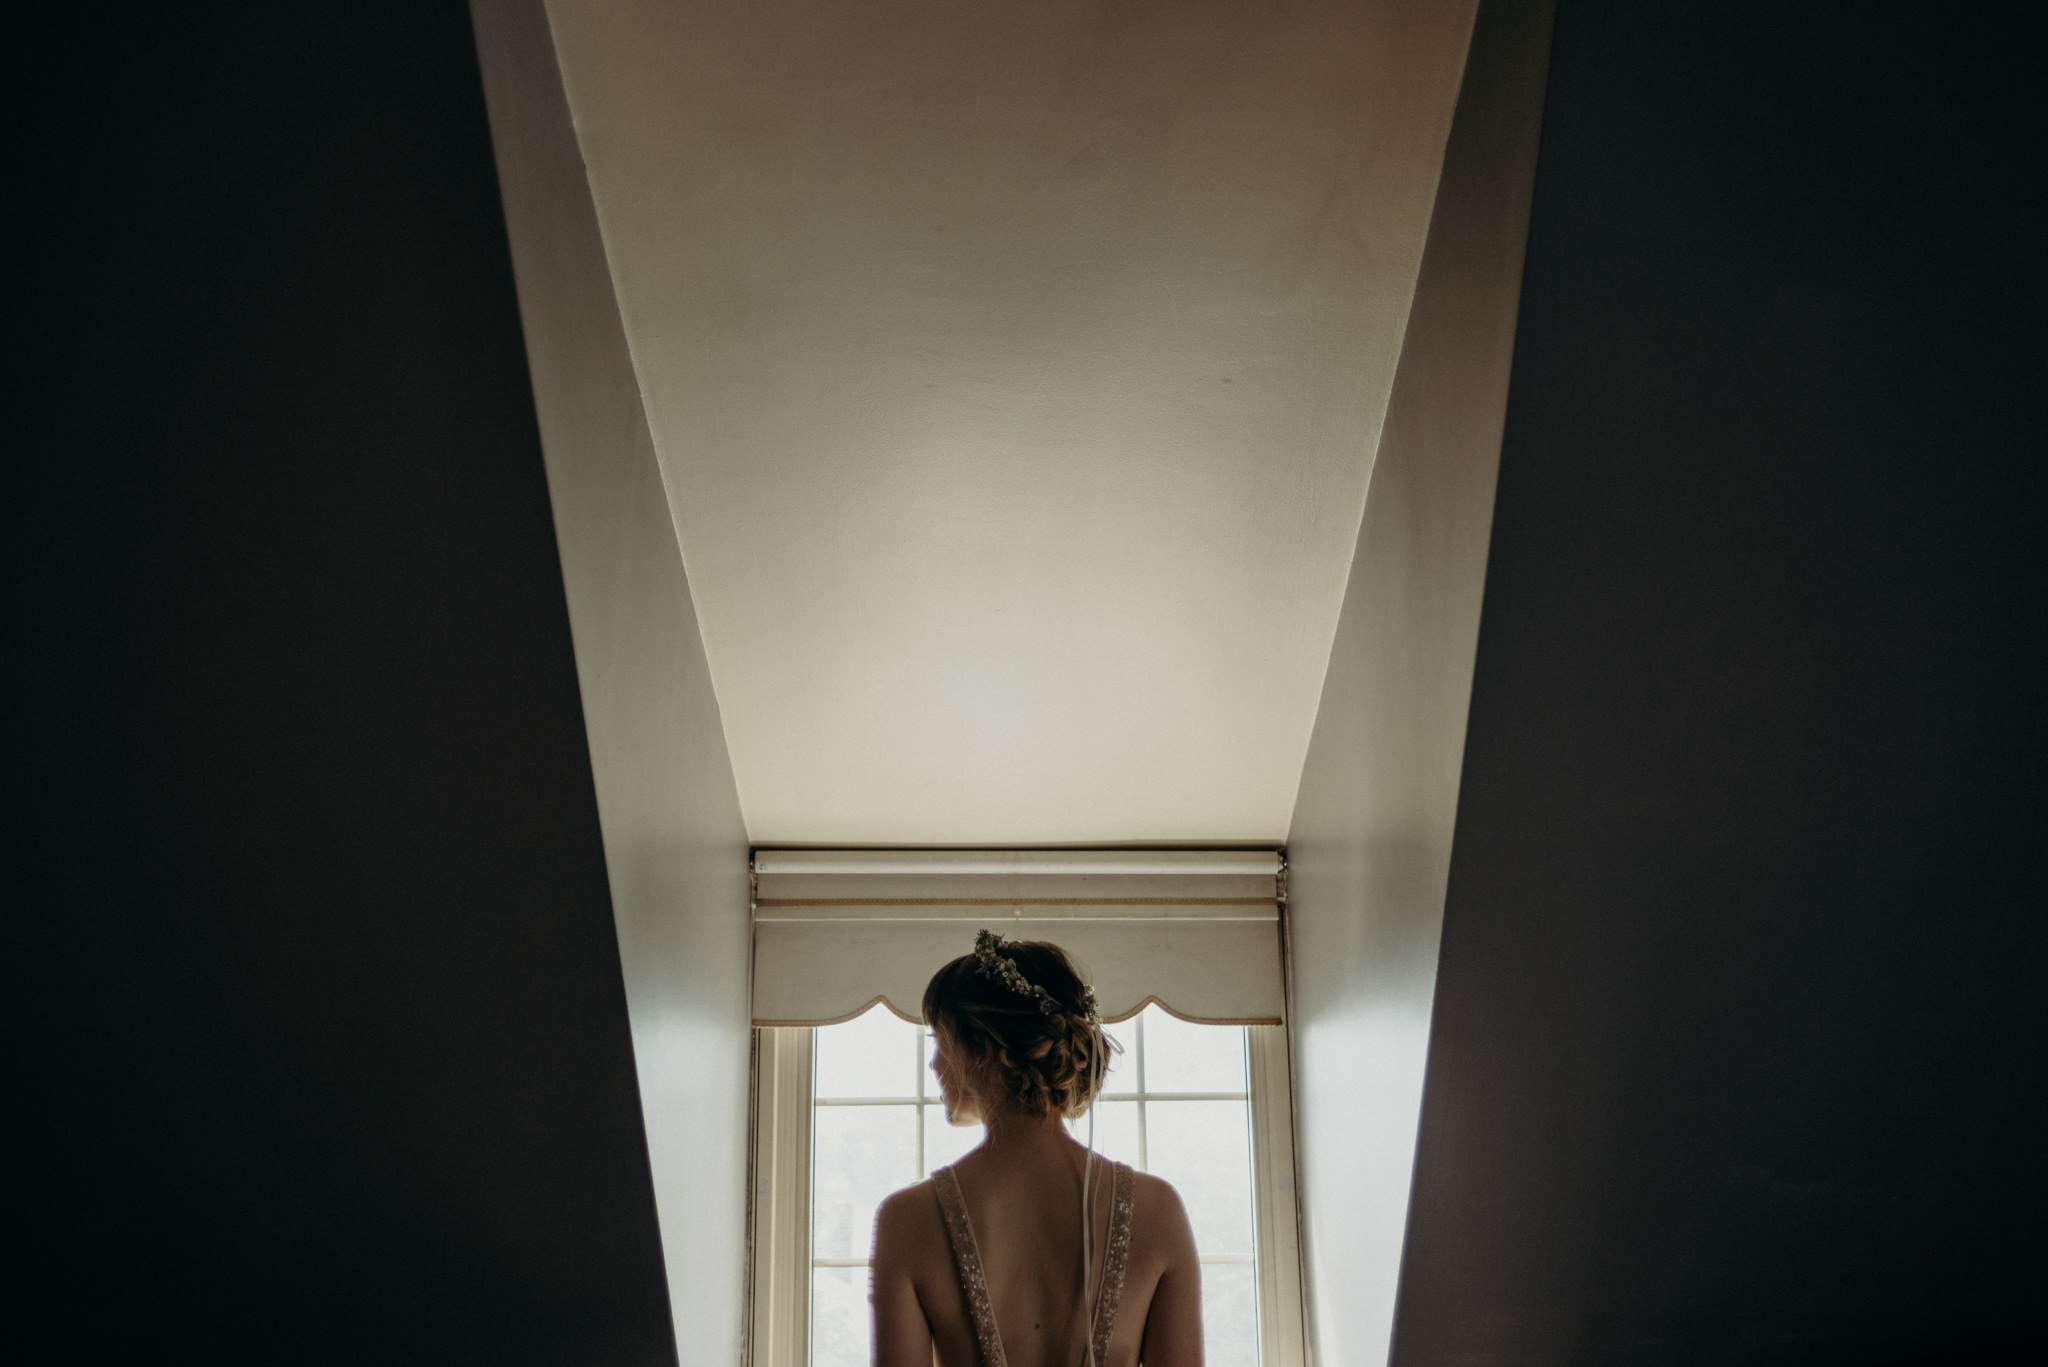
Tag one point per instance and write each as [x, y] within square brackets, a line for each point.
[967, 1261]
[974, 1284]
[1122, 1200]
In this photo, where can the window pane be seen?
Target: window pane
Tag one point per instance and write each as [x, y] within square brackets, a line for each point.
[1122, 1074]
[1204, 1149]
[1192, 1058]
[859, 1155]
[839, 1317]
[945, 1143]
[1116, 1130]
[927, 1045]
[870, 1055]
[862, 1153]
[1230, 1317]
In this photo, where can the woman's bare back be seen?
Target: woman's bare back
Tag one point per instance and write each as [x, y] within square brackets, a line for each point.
[1022, 1194]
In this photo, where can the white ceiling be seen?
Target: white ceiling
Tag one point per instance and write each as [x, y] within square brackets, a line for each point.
[1015, 369]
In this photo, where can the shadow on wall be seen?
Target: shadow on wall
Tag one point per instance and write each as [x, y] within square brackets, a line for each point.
[1737, 1047]
[325, 1045]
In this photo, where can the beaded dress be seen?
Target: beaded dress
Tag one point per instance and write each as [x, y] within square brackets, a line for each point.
[974, 1286]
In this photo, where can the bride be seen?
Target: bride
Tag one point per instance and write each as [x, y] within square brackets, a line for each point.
[989, 1263]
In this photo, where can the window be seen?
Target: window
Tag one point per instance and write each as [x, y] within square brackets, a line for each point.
[849, 1113]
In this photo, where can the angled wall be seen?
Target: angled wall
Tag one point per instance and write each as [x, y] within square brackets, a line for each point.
[675, 843]
[1370, 845]
[318, 1048]
[1741, 1019]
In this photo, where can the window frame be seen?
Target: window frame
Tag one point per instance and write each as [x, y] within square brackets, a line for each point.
[779, 1288]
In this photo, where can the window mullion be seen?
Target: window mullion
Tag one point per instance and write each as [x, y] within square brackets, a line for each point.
[1144, 1152]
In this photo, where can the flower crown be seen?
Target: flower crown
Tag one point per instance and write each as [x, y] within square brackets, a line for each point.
[991, 963]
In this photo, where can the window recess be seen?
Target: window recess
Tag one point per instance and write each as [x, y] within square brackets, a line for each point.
[847, 1109]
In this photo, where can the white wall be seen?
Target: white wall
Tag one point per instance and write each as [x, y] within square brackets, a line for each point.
[1371, 838]
[675, 845]
[1022, 365]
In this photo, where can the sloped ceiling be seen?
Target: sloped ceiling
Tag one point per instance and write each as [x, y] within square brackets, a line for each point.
[1015, 371]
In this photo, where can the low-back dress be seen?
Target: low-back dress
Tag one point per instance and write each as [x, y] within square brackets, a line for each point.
[974, 1286]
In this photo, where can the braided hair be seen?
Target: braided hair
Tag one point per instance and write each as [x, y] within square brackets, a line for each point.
[1048, 1056]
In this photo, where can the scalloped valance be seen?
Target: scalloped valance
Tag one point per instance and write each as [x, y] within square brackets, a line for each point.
[1197, 931]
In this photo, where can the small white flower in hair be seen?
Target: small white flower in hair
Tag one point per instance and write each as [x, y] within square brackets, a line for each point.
[990, 962]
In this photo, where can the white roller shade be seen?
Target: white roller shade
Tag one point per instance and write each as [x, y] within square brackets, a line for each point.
[1198, 931]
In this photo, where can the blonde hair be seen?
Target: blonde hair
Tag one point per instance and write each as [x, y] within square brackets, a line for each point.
[1046, 1061]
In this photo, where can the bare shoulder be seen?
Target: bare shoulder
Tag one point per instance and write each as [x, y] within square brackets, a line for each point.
[1158, 1193]
[917, 1195]
[1158, 1217]
[906, 1218]
[898, 1286]
[1163, 1279]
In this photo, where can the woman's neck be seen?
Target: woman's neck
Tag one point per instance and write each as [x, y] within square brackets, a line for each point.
[1018, 1132]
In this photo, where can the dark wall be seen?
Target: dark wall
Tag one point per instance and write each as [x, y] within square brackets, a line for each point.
[1738, 1047]
[325, 1040]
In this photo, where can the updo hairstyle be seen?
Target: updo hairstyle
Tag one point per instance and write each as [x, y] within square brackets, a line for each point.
[1047, 1063]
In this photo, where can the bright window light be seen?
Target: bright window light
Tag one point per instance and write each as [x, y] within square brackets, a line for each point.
[1177, 1103]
